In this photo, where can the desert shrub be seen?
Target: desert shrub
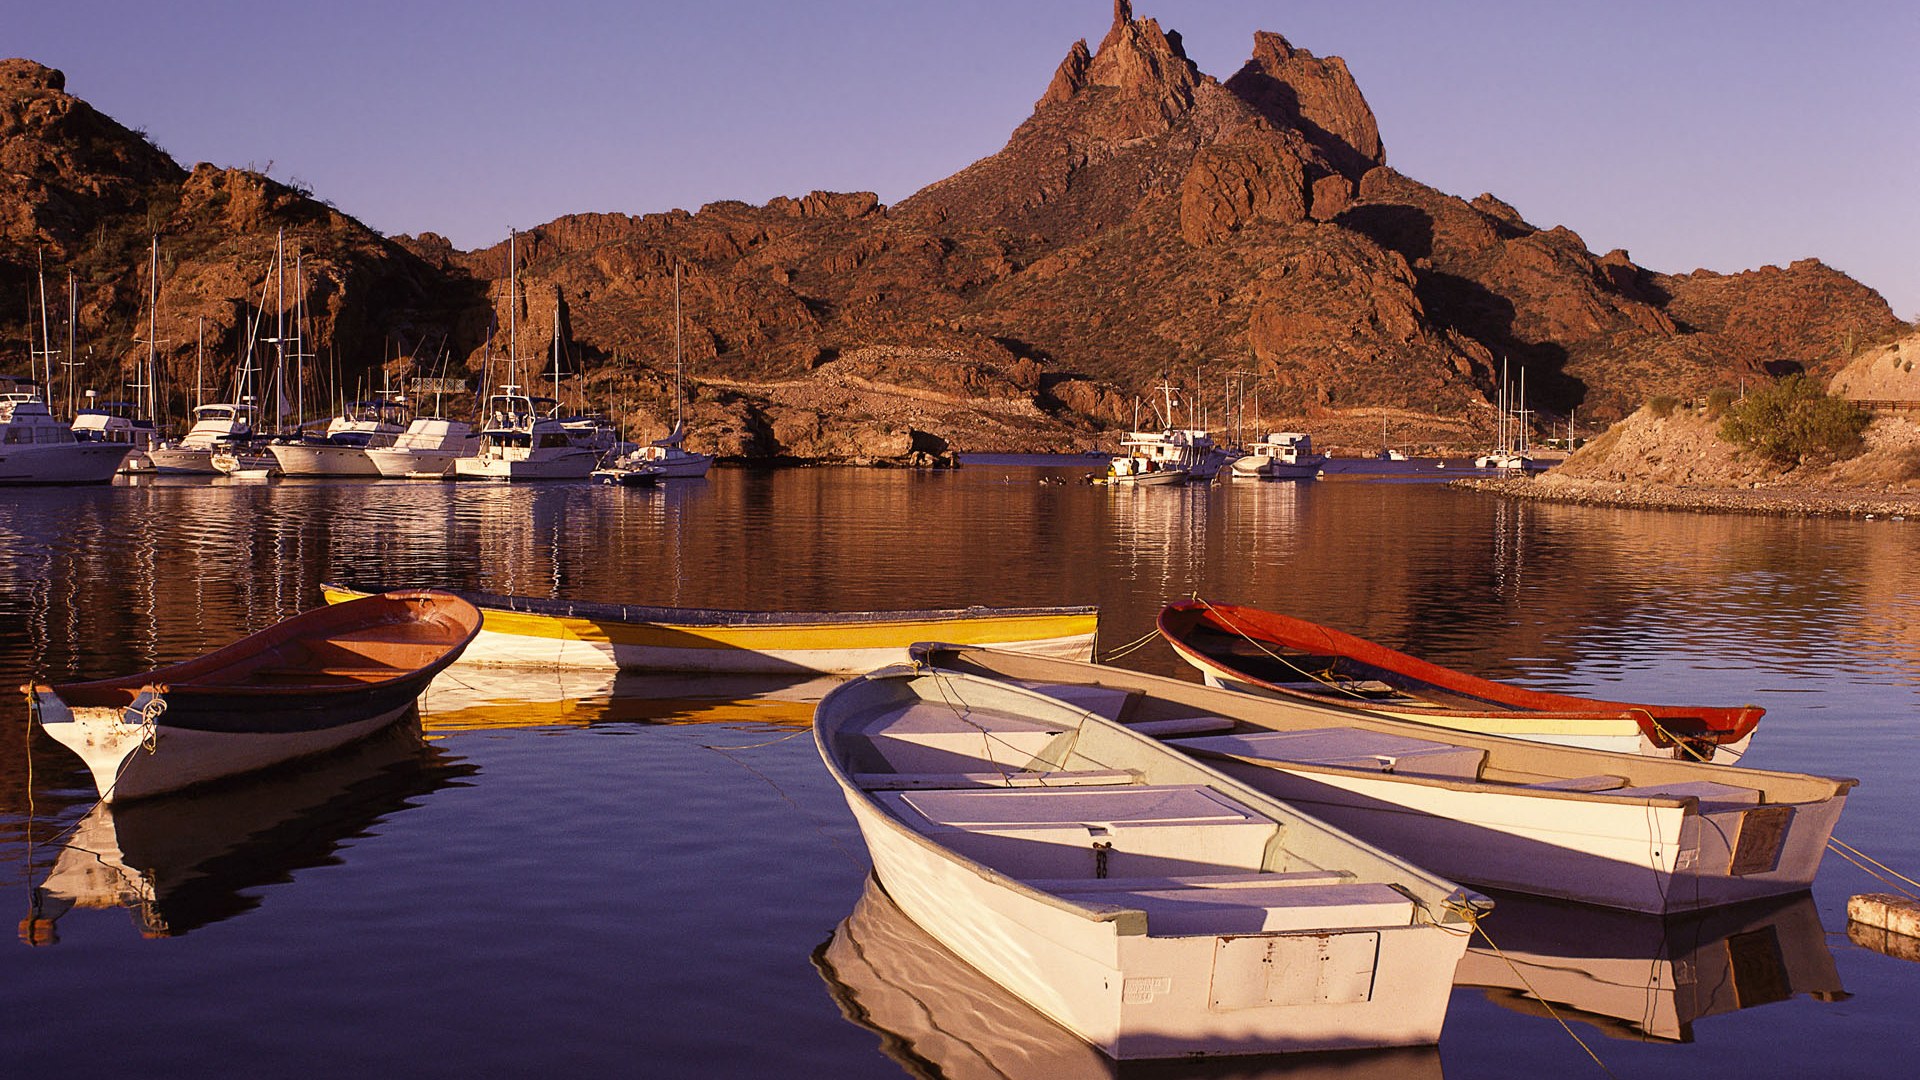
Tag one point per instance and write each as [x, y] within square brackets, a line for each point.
[1662, 405]
[1718, 402]
[1794, 421]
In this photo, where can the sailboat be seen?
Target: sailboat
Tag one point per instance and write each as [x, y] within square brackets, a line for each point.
[1510, 428]
[665, 456]
[519, 441]
[228, 429]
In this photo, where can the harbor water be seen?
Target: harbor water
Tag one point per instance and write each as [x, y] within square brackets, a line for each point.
[577, 874]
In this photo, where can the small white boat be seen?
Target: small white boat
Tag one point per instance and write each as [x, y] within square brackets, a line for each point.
[35, 448]
[1619, 830]
[1139, 899]
[667, 459]
[320, 680]
[930, 1008]
[521, 441]
[1282, 455]
[1140, 471]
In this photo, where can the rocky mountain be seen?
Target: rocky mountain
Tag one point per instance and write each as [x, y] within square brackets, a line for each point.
[1147, 222]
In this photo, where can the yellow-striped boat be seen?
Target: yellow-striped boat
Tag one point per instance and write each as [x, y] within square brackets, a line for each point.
[523, 631]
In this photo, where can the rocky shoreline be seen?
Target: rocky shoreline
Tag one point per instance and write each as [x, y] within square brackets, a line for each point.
[1785, 500]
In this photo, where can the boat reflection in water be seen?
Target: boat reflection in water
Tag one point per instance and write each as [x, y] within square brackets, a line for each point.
[183, 861]
[475, 697]
[1643, 977]
[938, 1017]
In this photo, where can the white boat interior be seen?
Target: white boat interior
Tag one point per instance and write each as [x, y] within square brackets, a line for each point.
[1009, 824]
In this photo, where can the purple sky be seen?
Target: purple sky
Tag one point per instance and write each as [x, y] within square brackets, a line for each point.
[1722, 134]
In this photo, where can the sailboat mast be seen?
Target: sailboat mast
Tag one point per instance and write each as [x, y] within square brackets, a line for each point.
[199, 360]
[513, 306]
[149, 400]
[279, 324]
[300, 339]
[46, 342]
[679, 396]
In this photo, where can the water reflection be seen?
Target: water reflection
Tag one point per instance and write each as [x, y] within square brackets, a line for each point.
[939, 1018]
[1643, 977]
[183, 861]
[471, 697]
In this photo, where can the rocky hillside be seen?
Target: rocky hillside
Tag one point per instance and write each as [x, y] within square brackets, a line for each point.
[1147, 222]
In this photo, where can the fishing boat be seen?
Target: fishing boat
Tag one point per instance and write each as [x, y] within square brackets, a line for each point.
[1141, 471]
[1261, 652]
[1143, 901]
[35, 448]
[309, 684]
[935, 1015]
[1618, 830]
[525, 631]
[1282, 455]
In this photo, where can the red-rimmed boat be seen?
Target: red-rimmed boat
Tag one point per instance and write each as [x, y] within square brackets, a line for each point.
[304, 686]
[1262, 652]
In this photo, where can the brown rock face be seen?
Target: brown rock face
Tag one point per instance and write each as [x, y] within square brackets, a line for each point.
[1145, 222]
[1318, 98]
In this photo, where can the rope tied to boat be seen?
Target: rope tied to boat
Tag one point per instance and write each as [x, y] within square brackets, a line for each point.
[1472, 916]
[1282, 658]
[150, 722]
[1874, 867]
[1131, 646]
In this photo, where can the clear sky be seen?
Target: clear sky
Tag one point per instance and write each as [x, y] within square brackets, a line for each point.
[1716, 134]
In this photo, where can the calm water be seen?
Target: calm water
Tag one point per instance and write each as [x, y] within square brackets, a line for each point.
[649, 876]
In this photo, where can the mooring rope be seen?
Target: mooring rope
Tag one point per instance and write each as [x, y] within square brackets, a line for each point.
[1862, 860]
[1227, 622]
[1473, 918]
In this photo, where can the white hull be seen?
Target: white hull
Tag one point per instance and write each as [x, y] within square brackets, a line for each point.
[182, 459]
[1258, 468]
[1210, 936]
[570, 464]
[60, 463]
[1652, 854]
[125, 767]
[301, 460]
[399, 464]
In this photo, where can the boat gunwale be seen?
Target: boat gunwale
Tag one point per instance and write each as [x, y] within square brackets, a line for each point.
[1177, 622]
[704, 618]
[322, 624]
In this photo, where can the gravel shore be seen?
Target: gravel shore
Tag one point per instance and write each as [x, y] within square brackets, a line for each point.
[1785, 500]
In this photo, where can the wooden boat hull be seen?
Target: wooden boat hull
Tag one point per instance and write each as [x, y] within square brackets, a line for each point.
[528, 632]
[1263, 653]
[305, 686]
[1159, 957]
[1623, 831]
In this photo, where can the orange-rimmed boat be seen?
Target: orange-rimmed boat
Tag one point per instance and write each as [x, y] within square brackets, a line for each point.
[317, 681]
[1262, 652]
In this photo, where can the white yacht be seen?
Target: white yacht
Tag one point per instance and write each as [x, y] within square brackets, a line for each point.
[519, 441]
[214, 426]
[115, 422]
[342, 449]
[427, 449]
[35, 448]
[1282, 455]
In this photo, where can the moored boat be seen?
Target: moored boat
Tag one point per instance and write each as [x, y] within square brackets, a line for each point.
[1618, 830]
[1144, 902]
[524, 631]
[1262, 652]
[1282, 455]
[426, 450]
[319, 680]
[35, 448]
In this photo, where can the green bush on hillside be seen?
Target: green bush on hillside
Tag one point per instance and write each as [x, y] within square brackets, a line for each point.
[1794, 421]
[1718, 402]
[1662, 405]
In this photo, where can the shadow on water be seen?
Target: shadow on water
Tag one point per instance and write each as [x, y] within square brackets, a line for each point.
[180, 862]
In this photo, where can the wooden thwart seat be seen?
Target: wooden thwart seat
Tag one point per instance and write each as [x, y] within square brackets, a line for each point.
[1010, 779]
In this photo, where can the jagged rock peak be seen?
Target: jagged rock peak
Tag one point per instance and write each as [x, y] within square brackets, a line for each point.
[1136, 58]
[1318, 98]
[19, 74]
